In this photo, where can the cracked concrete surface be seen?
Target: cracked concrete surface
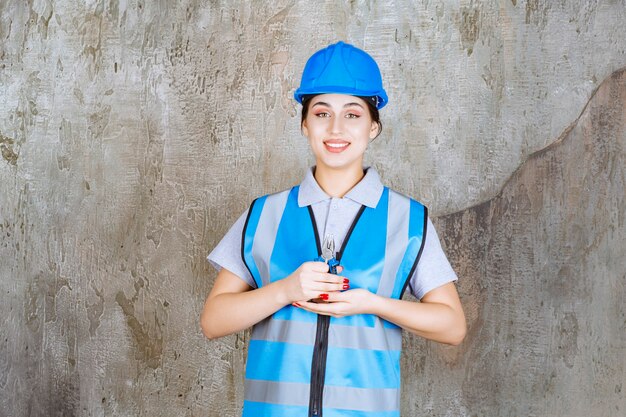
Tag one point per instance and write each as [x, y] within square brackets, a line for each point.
[543, 281]
[132, 134]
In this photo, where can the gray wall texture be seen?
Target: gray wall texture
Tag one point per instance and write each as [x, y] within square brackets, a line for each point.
[134, 133]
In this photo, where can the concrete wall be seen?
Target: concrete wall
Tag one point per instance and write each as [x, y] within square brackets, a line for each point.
[133, 133]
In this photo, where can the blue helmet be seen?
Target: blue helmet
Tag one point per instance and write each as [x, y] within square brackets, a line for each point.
[342, 69]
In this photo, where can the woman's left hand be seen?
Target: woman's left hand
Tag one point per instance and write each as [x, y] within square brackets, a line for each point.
[438, 316]
[341, 304]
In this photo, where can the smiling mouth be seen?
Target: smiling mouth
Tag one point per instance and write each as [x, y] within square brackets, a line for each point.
[336, 145]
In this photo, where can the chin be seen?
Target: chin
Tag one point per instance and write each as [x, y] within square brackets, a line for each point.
[339, 165]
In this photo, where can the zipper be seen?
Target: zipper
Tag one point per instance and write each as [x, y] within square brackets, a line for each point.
[320, 349]
[318, 366]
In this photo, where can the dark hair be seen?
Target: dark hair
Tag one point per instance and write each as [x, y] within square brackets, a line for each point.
[374, 114]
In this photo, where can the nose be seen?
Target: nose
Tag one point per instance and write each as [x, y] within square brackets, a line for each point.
[336, 125]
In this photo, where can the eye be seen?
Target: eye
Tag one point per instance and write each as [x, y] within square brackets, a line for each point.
[322, 114]
[352, 116]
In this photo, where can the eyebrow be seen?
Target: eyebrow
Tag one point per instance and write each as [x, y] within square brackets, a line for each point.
[323, 103]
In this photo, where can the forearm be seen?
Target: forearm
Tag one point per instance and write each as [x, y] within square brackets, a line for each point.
[434, 321]
[229, 313]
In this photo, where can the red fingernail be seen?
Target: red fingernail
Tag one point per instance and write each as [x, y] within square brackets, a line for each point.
[346, 280]
[324, 297]
[296, 305]
[346, 286]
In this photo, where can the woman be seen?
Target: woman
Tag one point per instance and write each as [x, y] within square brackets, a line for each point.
[323, 343]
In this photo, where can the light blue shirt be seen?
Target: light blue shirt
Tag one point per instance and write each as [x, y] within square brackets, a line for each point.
[333, 217]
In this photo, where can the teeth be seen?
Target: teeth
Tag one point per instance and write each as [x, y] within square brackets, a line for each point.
[337, 145]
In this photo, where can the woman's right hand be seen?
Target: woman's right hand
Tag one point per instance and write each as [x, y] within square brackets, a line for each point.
[312, 281]
[233, 305]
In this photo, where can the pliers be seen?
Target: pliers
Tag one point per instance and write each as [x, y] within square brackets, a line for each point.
[328, 254]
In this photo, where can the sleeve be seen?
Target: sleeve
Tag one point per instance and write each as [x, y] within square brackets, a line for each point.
[227, 253]
[433, 269]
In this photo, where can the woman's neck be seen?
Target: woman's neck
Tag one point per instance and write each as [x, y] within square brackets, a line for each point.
[337, 183]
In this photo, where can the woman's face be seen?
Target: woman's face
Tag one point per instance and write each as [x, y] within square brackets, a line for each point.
[339, 127]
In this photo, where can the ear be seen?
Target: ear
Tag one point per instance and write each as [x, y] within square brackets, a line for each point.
[374, 130]
[304, 129]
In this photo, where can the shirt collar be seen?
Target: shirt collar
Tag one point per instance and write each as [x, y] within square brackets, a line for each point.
[366, 192]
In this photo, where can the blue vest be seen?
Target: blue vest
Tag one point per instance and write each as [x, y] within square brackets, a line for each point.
[301, 364]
